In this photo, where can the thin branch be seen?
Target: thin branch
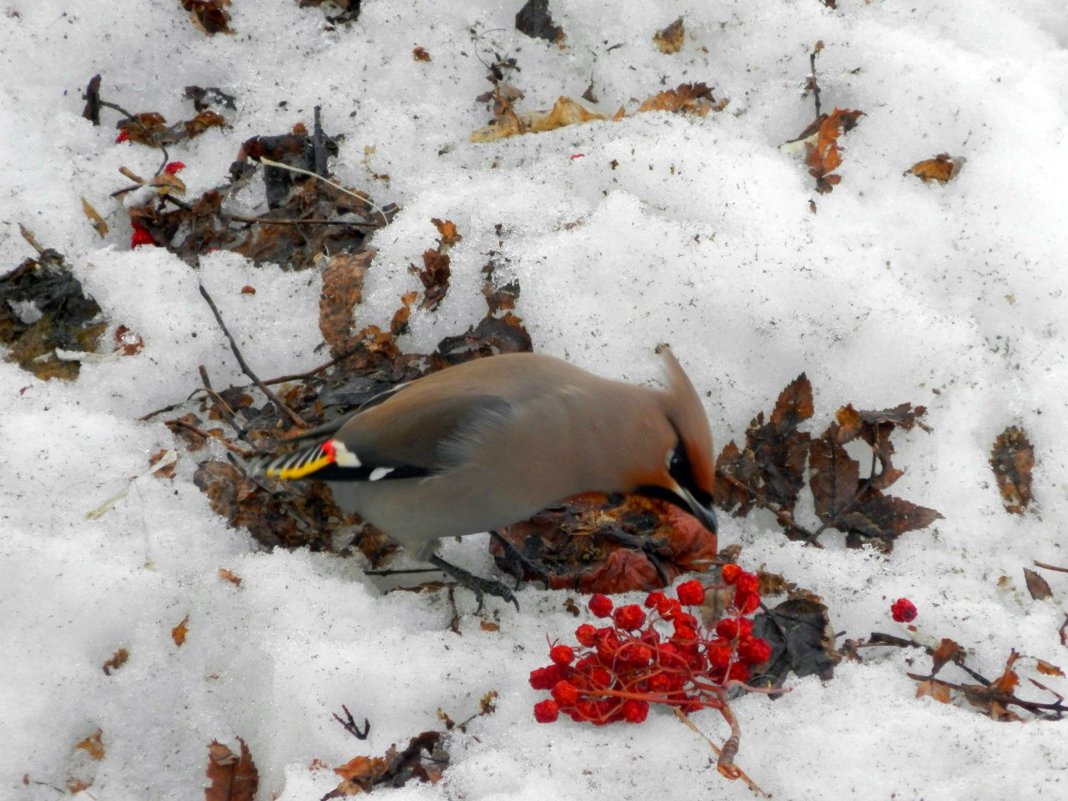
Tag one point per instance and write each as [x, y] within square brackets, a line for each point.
[1044, 566]
[752, 785]
[1004, 698]
[292, 415]
[338, 187]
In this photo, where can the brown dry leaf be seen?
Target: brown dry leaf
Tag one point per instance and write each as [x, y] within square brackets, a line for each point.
[824, 156]
[209, 16]
[142, 128]
[127, 342]
[93, 745]
[942, 168]
[1037, 585]
[94, 217]
[231, 777]
[670, 39]
[565, 112]
[361, 774]
[164, 472]
[1012, 458]
[399, 324]
[1048, 669]
[229, 575]
[934, 689]
[946, 652]
[248, 290]
[686, 98]
[343, 277]
[801, 638]
[447, 232]
[167, 184]
[420, 54]
[117, 660]
[179, 632]
[490, 626]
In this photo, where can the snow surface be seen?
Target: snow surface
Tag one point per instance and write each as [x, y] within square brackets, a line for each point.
[948, 296]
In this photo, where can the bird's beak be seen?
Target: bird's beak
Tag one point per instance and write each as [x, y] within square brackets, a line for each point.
[705, 514]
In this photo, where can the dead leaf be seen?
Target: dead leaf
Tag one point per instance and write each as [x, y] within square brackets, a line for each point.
[117, 660]
[1048, 669]
[209, 16]
[534, 20]
[1012, 458]
[127, 342]
[248, 290]
[396, 768]
[229, 575]
[686, 98]
[670, 39]
[489, 626]
[343, 277]
[420, 54]
[823, 155]
[934, 689]
[801, 639]
[946, 652]
[231, 777]
[942, 168]
[179, 632]
[98, 222]
[565, 112]
[1037, 585]
[165, 471]
[93, 745]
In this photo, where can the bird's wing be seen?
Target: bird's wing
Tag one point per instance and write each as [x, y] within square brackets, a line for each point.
[393, 440]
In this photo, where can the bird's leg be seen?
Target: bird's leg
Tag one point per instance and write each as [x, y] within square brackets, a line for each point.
[647, 546]
[476, 584]
[519, 564]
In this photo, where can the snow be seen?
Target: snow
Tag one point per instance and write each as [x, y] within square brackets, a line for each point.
[950, 296]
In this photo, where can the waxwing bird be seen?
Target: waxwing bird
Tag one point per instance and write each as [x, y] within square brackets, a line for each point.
[492, 442]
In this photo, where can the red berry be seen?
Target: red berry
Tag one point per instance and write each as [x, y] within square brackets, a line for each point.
[565, 693]
[546, 711]
[754, 650]
[684, 634]
[141, 236]
[635, 711]
[629, 617]
[747, 582]
[585, 634]
[719, 654]
[729, 573]
[727, 628]
[545, 677]
[691, 593]
[122, 137]
[738, 672]
[562, 655]
[654, 599]
[174, 167]
[746, 602]
[601, 605]
[903, 610]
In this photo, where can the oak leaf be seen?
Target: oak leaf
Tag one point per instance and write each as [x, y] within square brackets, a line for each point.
[670, 39]
[232, 777]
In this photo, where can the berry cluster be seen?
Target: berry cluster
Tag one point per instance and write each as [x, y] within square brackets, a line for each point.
[618, 670]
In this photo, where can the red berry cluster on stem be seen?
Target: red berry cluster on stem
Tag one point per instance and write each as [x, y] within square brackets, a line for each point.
[659, 654]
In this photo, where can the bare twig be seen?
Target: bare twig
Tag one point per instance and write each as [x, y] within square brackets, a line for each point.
[1044, 566]
[782, 515]
[752, 785]
[220, 403]
[242, 452]
[292, 415]
[1001, 697]
[350, 724]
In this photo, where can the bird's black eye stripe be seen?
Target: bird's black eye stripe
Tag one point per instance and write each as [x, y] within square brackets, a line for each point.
[680, 469]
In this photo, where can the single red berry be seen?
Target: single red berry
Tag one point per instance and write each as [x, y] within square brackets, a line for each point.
[729, 573]
[629, 617]
[141, 236]
[670, 608]
[684, 634]
[635, 711]
[654, 600]
[545, 677]
[747, 582]
[174, 167]
[600, 678]
[746, 602]
[122, 137]
[601, 605]
[691, 593]
[745, 627]
[903, 610]
[565, 693]
[585, 634]
[660, 683]
[607, 644]
[562, 655]
[754, 650]
[719, 654]
[727, 628]
[546, 711]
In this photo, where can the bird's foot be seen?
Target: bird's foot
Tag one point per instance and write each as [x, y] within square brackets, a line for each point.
[478, 585]
[518, 563]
